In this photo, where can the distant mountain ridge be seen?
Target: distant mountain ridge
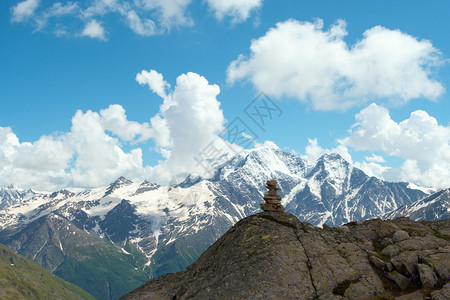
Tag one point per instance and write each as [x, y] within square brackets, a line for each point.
[165, 228]
[9, 195]
[433, 207]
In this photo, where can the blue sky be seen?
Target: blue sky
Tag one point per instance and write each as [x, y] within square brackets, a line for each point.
[320, 62]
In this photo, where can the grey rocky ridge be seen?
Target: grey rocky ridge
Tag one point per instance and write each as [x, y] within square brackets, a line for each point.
[272, 255]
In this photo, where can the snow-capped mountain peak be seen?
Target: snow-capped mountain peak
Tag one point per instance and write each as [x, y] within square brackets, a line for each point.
[12, 195]
[119, 183]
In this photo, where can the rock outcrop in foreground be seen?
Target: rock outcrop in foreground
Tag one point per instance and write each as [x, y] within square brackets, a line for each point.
[272, 255]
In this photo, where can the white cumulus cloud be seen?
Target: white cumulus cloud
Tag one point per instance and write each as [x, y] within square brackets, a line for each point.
[101, 146]
[99, 156]
[115, 120]
[238, 10]
[171, 13]
[144, 27]
[303, 60]
[375, 158]
[94, 29]
[155, 82]
[87, 156]
[374, 169]
[420, 141]
[190, 119]
[24, 10]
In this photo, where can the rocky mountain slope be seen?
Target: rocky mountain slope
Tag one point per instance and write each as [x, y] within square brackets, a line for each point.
[433, 207]
[272, 255]
[20, 278]
[153, 230]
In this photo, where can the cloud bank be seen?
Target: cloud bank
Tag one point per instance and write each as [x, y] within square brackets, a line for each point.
[304, 61]
[101, 146]
[94, 152]
[420, 141]
[143, 17]
[86, 156]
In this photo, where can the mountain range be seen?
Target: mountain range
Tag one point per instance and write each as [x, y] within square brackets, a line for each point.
[140, 230]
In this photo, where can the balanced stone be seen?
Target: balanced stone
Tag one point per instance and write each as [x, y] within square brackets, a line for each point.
[273, 201]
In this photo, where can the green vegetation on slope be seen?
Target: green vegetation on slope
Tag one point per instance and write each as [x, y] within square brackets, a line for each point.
[103, 270]
[21, 278]
[176, 256]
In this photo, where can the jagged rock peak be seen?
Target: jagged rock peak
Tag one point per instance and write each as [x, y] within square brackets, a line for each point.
[331, 159]
[120, 182]
[61, 193]
[147, 183]
[146, 186]
[12, 189]
[272, 255]
[331, 156]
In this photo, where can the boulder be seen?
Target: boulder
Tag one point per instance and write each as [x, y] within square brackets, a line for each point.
[364, 288]
[387, 229]
[402, 282]
[377, 262]
[442, 294]
[387, 241]
[417, 295]
[427, 277]
[389, 267]
[441, 263]
[406, 262]
[343, 228]
[399, 236]
[421, 243]
[392, 250]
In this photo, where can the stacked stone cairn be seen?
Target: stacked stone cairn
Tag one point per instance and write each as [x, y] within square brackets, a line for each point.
[273, 201]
